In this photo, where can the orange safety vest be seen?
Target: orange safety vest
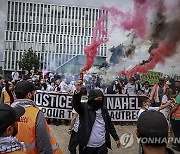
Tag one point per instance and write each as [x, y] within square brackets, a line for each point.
[27, 132]
[156, 88]
[176, 114]
[7, 99]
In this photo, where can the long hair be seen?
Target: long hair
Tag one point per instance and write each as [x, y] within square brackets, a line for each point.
[9, 92]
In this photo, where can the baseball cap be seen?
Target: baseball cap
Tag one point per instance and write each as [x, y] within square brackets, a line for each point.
[152, 123]
[23, 87]
[9, 115]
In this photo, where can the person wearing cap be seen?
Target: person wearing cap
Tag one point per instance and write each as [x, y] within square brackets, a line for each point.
[9, 128]
[175, 122]
[33, 128]
[152, 133]
[95, 124]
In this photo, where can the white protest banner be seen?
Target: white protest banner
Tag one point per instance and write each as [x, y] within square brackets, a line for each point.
[122, 107]
[54, 105]
[58, 105]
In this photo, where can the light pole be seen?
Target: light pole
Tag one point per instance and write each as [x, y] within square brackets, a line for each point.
[173, 70]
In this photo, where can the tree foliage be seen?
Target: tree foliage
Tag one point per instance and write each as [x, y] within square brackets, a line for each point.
[29, 60]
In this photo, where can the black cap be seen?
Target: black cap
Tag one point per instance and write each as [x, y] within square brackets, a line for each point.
[94, 93]
[9, 115]
[23, 87]
[152, 123]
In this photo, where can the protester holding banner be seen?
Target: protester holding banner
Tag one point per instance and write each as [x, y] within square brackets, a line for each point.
[57, 85]
[95, 123]
[57, 89]
[9, 128]
[146, 90]
[35, 132]
[131, 87]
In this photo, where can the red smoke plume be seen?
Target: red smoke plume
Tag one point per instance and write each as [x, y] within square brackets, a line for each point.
[167, 47]
[136, 20]
[164, 50]
[99, 37]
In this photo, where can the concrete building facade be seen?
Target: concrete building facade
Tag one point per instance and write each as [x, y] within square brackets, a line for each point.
[57, 33]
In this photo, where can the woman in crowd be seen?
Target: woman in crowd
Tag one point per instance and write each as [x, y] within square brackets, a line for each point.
[8, 95]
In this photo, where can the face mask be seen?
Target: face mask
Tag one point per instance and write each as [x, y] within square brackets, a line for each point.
[95, 104]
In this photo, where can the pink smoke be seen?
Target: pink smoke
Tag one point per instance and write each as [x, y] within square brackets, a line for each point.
[165, 49]
[99, 37]
[135, 20]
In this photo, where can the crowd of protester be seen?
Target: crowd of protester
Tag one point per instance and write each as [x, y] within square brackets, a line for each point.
[65, 83]
[19, 91]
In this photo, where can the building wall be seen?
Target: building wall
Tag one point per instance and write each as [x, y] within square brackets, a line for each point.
[55, 32]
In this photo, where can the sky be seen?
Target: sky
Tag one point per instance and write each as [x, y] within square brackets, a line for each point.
[117, 37]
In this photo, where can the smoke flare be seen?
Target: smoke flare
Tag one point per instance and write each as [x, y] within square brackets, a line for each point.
[167, 47]
[99, 37]
[128, 21]
[138, 22]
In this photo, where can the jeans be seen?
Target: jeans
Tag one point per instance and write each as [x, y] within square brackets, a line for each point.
[73, 143]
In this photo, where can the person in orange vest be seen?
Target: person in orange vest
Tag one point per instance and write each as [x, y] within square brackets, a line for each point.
[175, 122]
[33, 128]
[158, 92]
[9, 128]
[8, 96]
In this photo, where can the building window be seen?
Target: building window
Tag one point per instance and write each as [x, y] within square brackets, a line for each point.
[14, 45]
[18, 38]
[47, 37]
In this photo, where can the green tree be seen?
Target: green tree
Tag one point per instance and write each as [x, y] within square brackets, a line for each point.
[29, 60]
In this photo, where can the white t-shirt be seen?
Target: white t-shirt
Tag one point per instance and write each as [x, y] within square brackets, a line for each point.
[76, 124]
[150, 108]
[71, 88]
[97, 137]
[130, 88]
[63, 86]
[49, 88]
[15, 76]
[166, 110]
[140, 111]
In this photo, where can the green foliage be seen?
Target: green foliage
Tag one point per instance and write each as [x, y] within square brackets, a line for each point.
[29, 60]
